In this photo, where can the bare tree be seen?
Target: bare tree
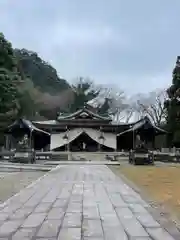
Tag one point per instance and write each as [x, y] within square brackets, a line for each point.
[151, 105]
[57, 101]
[119, 106]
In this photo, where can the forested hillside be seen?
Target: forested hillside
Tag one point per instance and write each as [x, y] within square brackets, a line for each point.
[42, 74]
[46, 92]
[29, 86]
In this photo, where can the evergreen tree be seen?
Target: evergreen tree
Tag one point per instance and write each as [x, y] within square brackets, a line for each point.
[104, 109]
[83, 93]
[41, 73]
[8, 91]
[173, 107]
[9, 80]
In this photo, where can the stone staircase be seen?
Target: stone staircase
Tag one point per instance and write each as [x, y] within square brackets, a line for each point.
[59, 157]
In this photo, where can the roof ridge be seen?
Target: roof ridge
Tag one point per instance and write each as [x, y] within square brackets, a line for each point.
[84, 109]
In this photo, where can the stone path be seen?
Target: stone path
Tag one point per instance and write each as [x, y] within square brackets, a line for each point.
[78, 203]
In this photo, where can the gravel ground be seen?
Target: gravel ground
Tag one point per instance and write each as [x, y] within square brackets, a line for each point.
[158, 184]
[11, 183]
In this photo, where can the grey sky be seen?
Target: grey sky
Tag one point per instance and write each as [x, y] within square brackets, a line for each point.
[131, 43]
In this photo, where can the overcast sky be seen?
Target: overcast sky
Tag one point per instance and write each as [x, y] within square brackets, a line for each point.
[130, 43]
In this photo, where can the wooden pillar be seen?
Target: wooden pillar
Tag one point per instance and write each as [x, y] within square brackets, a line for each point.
[30, 140]
[31, 147]
[67, 142]
[153, 142]
[134, 144]
[48, 148]
[7, 142]
[99, 147]
[68, 146]
[101, 139]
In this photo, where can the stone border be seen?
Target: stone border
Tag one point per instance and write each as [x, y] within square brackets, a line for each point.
[28, 186]
[158, 212]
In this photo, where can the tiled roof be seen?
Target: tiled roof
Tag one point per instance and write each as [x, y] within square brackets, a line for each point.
[23, 123]
[81, 111]
[142, 122]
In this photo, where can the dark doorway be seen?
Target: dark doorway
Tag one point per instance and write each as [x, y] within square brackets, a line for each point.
[83, 143]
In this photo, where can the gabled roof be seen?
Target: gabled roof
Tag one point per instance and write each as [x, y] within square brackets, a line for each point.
[83, 112]
[144, 122]
[23, 123]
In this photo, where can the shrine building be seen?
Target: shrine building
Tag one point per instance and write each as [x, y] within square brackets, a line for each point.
[83, 130]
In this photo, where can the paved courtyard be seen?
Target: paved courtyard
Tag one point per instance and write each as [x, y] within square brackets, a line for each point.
[82, 202]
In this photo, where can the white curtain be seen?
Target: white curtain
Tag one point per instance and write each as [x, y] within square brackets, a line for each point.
[57, 140]
[109, 138]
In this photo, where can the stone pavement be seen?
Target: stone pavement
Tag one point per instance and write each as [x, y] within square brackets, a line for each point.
[78, 203]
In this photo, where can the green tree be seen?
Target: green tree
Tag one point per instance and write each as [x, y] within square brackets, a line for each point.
[8, 92]
[84, 92]
[9, 80]
[87, 93]
[42, 74]
[173, 107]
[105, 107]
[7, 58]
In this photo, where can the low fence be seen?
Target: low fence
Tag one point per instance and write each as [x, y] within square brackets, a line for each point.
[22, 157]
[61, 156]
[78, 156]
[27, 157]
